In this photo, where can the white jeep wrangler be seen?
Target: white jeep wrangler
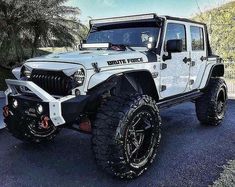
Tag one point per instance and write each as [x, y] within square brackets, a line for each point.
[114, 86]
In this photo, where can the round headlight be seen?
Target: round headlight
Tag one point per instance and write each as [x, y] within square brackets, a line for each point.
[79, 76]
[26, 72]
[39, 109]
[15, 103]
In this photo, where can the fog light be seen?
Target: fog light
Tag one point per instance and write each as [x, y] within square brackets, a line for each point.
[14, 103]
[39, 109]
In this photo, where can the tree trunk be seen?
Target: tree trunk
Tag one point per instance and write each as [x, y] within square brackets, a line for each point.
[34, 45]
[16, 46]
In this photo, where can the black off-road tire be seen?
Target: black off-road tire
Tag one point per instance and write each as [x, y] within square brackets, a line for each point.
[19, 128]
[211, 106]
[120, 123]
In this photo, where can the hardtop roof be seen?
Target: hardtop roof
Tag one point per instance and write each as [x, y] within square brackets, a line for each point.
[182, 19]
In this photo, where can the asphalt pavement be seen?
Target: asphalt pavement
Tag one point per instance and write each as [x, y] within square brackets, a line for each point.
[189, 155]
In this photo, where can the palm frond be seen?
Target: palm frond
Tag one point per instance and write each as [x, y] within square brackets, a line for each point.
[33, 23]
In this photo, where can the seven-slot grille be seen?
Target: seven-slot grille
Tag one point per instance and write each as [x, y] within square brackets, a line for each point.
[54, 82]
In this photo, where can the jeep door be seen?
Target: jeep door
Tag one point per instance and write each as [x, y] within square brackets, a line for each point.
[174, 72]
[198, 55]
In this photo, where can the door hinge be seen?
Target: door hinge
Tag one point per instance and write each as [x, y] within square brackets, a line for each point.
[193, 63]
[163, 88]
[163, 66]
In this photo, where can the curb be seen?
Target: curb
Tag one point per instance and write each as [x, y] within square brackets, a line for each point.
[2, 94]
[231, 96]
[2, 126]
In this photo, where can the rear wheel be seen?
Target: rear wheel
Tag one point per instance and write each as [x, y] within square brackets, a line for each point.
[211, 107]
[126, 135]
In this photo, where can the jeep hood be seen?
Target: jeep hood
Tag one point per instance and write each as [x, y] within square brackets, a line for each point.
[71, 60]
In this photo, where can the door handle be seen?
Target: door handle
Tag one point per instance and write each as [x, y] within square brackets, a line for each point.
[186, 60]
[203, 58]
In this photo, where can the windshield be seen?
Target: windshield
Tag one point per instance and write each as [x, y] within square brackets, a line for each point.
[133, 37]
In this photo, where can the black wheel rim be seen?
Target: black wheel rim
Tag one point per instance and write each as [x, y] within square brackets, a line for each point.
[141, 138]
[221, 103]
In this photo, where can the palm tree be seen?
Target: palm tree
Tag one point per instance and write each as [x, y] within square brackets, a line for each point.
[52, 20]
[34, 23]
[9, 26]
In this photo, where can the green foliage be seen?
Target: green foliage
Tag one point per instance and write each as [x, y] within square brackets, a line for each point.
[227, 177]
[221, 27]
[29, 24]
[230, 70]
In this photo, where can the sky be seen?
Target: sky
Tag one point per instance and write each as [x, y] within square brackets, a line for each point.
[112, 8]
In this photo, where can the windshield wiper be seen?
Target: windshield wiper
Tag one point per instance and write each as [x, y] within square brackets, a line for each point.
[129, 47]
[120, 47]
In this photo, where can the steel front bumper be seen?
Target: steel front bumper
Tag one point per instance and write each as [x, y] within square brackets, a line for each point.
[60, 111]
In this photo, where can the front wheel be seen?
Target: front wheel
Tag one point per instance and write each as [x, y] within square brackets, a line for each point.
[211, 107]
[126, 135]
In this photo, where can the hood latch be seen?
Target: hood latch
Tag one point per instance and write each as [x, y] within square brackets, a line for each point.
[96, 67]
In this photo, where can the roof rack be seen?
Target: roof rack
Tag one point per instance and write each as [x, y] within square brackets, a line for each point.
[123, 19]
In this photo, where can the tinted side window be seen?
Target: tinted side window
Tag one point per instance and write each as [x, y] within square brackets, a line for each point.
[197, 38]
[176, 31]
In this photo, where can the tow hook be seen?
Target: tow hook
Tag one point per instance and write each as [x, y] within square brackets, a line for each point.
[44, 122]
[85, 125]
[5, 111]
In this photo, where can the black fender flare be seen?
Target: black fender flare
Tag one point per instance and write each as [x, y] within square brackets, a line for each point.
[217, 70]
[139, 80]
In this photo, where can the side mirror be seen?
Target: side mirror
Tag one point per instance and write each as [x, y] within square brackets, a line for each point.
[173, 46]
[151, 43]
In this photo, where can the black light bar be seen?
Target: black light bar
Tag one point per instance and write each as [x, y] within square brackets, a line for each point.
[123, 19]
